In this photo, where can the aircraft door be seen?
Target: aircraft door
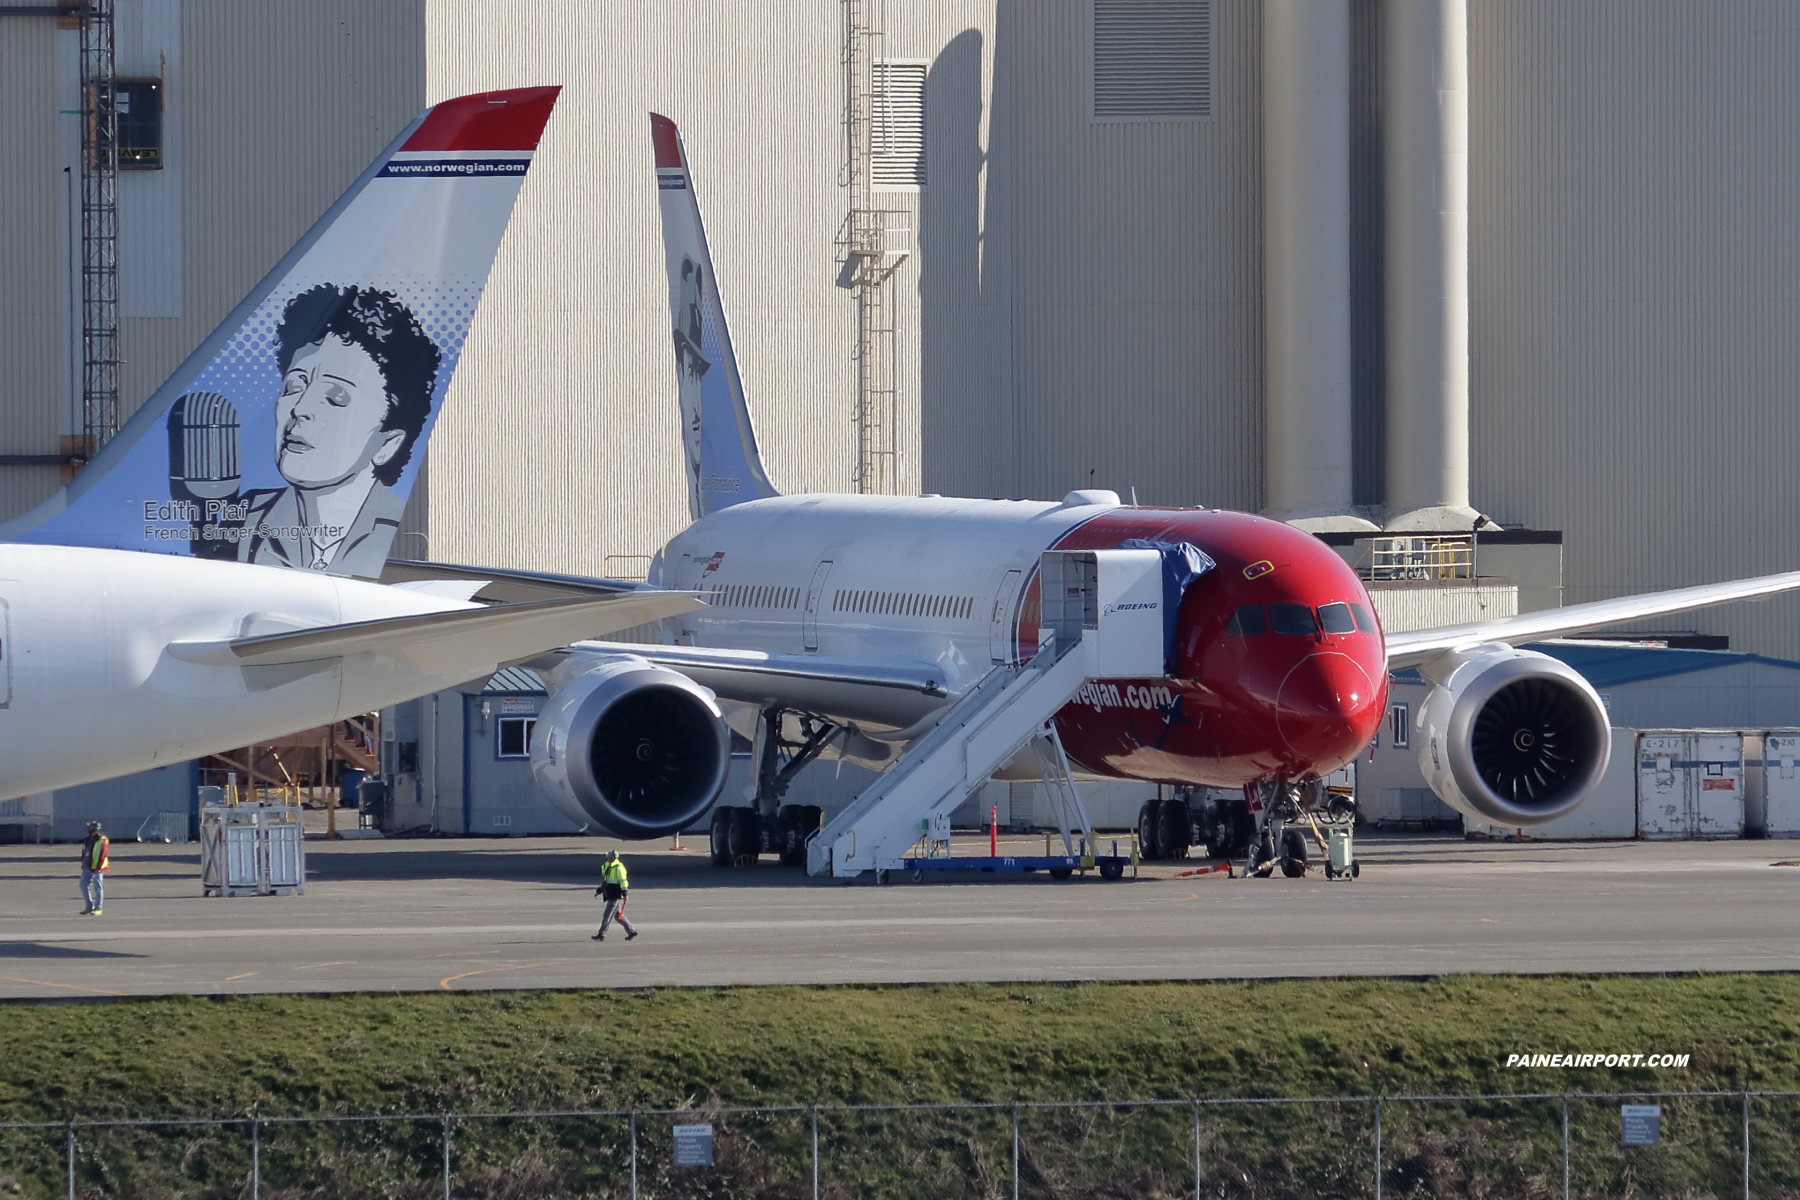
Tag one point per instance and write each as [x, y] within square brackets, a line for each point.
[1000, 624]
[809, 621]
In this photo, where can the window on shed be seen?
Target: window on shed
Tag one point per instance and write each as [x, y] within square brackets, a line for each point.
[1152, 60]
[514, 736]
[899, 125]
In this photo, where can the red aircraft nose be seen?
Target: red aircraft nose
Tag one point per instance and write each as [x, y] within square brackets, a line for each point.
[1323, 708]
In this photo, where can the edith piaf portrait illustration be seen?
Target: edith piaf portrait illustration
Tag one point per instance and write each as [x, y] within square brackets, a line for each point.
[357, 373]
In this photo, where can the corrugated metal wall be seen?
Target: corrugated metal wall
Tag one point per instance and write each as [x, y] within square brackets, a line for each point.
[281, 107]
[558, 446]
[1080, 297]
[1135, 279]
[272, 111]
[1636, 292]
[33, 198]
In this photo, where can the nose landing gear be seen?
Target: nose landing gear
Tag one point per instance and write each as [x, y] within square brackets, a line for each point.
[1291, 819]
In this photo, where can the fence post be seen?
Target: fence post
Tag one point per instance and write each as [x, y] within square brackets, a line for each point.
[255, 1159]
[634, 1195]
[1196, 1150]
[1565, 1101]
[71, 1158]
[446, 1156]
[815, 1148]
[1746, 1145]
[1378, 1148]
[1016, 1154]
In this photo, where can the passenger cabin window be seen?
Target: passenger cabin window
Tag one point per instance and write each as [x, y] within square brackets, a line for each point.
[1247, 621]
[1335, 618]
[1363, 621]
[1292, 618]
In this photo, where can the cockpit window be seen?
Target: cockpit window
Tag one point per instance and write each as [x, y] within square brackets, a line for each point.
[1246, 621]
[1292, 618]
[1335, 618]
[1363, 622]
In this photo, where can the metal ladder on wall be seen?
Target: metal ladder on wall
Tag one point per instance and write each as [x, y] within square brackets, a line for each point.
[1101, 609]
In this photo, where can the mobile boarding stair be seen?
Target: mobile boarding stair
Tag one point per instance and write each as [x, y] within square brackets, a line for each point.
[1102, 612]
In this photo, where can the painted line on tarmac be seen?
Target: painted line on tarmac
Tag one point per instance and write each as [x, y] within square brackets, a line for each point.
[71, 986]
[185, 935]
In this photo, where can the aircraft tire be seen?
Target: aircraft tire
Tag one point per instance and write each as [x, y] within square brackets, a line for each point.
[1172, 828]
[742, 837]
[720, 837]
[792, 847]
[1150, 830]
[1293, 853]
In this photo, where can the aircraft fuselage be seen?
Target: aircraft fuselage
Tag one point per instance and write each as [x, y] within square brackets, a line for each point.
[1292, 689]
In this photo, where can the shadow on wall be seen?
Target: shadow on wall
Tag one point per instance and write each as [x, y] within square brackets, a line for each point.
[967, 439]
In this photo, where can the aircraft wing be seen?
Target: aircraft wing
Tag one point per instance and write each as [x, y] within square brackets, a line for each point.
[450, 642]
[1418, 646]
[880, 691]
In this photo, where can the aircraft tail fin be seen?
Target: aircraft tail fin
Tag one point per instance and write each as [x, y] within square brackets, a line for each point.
[295, 431]
[724, 466]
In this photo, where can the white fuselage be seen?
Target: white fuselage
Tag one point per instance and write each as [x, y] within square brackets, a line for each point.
[89, 689]
[923, 579]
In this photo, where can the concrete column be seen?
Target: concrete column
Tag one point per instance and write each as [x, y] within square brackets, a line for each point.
[1306, 239]
[1425, 103]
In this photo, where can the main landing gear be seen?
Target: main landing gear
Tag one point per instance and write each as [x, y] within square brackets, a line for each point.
[1194, 818]
[1294, 819]
[740, 836]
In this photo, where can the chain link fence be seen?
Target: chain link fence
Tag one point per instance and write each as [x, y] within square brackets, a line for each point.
[1530, 1145]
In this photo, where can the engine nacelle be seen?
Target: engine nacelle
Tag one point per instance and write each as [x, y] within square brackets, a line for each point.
[1510, 736]
[633, 747]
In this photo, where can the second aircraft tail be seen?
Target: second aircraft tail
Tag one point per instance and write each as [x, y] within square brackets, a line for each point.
[724, 466]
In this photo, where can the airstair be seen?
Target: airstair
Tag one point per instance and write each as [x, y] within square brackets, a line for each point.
[1101, 618]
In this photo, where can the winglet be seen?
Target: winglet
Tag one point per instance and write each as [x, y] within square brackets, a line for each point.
[724, 466]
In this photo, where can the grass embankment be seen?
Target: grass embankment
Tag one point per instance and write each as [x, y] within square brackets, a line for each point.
[368, 1054]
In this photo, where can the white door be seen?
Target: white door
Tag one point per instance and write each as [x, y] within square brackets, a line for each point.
[1781, 783]
[1000, 622]
[5, 654]
[1718, 786]
[815, 592]
[1663, 785]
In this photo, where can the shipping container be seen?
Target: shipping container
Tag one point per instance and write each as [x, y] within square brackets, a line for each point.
[1690, 784]
[1781, 783]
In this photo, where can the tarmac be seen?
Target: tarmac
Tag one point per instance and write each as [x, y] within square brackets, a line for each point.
[428, 914]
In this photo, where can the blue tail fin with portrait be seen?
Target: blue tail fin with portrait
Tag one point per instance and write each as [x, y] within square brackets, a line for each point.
[723, 464]
[293, 435]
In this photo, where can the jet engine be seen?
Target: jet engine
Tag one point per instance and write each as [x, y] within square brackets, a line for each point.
[1511, 737]
[630, 746]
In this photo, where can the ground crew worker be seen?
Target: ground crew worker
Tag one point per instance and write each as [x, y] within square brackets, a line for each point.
[95, 863]
[614, 884]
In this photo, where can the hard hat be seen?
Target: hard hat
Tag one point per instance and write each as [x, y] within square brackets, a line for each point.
[93, 824]
[612, 854]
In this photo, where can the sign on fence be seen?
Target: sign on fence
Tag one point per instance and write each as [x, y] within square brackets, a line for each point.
[1640, 1124]
[693, 1145]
